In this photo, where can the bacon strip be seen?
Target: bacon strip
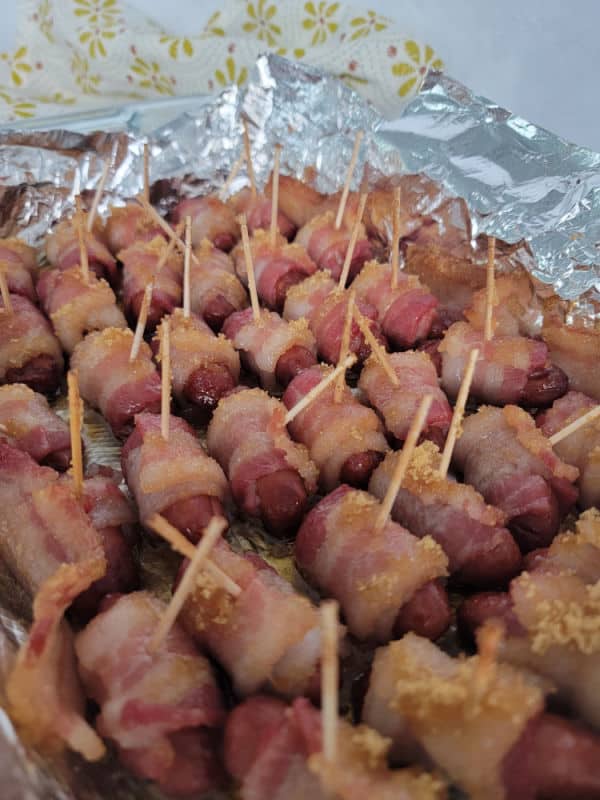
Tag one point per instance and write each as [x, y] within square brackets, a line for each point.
[212, 219]
[398, 405]
[337, 435]
[62, 249]
[216, 291]
[158, 708]
[29, 352]
[267, 610]
[174, 478]
[257, 209]
[481, 551]
[76, 307]
[574, 348]
[108, 381]
[327, 246]
[371, 572]
[582, 448]
[406, 313]
[19, 263]
[506, 458]
[271, 476]
[129, 224]
[27, 419]
[140, 262]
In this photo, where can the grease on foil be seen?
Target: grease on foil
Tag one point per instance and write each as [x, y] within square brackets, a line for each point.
[519, 181]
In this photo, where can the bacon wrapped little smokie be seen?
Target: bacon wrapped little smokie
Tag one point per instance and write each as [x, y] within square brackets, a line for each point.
[76, 306]
[385, 579]
[110, 382]
[257, 209]
[275, 751]
[517, 310]
[140, 269]
[32, 426]
[173, 477]
[30, 353]
[268, 610]
[276, 269]
[215, 290]
[574, 348]
[212, 219]
[481, 551]
[204, 366]
[318, 300]
[271, 476]
[506, 458]
[510, 369]
[397, 405]
[582, 448]
[345, 440]
[327, 246]
[159, 708]
[63, 252]
[18, 261]
[274, 349]
[486, 728]
[298, 200]
[129, 224]
[406, 314]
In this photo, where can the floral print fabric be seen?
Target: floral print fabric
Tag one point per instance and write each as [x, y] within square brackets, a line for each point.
[93, 53]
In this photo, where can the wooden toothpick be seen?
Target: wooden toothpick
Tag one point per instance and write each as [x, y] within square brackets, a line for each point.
[98, 196]
[353, 240]
[305, 401]
[330, 672]
[210, 536]
[75, 431]
[166, 252]
[403, 461]
[249, 165]
[589, 416]
[489, 638]
[141, 323]
[185, 548]
[396, 236]
[6, 300]
[490, 290]
[377, 349]
[338, 392]
[249, 267]
[231, 177]
[165, 370]
[346, 190]
[164, 225]
[83, 253]
[186, 268]
[275, 197]
[459, 411]
[146, 188]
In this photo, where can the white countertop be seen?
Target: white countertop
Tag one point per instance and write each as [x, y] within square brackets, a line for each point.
[536, 57]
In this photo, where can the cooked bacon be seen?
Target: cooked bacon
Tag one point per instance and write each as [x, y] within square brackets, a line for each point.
[140, 262]
[165, 476]
[506, 458]
[263, 342]
[19, 263]
[216, 291]
[372, 573]
[582, 448]
[129, 224]
[481, 551]
[276, 269]
[108, 381]
[327, 246]
[157, 707]
[574, 348]
[271, 476]
[504, 369]
[578, 553]
[297, 199]
[204, 367]
[257, 209]
[268, 610]
[335, 433]
[405, 313]
[398, 405]
[274, 751]
[62, 249]
[29, 352]
[76, 306]
[318, 300]
[466, 722]
[45, 698]
[517, 309]
[211, 219]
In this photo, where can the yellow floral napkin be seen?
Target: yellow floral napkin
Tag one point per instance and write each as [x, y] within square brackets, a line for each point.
[95, 53]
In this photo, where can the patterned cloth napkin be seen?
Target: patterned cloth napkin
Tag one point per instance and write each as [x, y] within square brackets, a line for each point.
[95, 53]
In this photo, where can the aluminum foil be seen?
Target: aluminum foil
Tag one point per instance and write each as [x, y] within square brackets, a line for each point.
[519, 182]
